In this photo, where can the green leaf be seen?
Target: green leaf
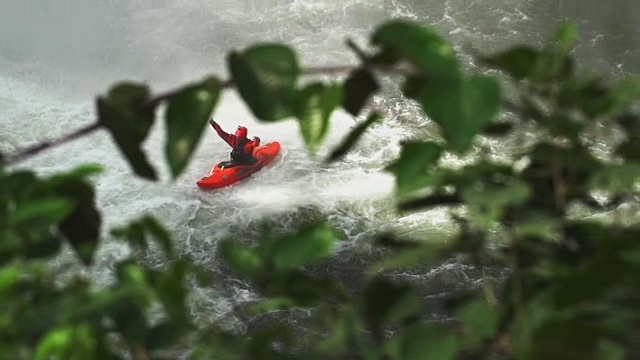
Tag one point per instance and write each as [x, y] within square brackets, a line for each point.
[314, 106]
[565, 339]
[70, 342]
[186, 117]
[424, 341]
[126, 113]
[480, 321]
[159, 233]
[408, 258]
[171, 290]
[587, 93]
[266, 77]
[358, 88]
[420, 45]
[353, 137]
[55, 342]
[83, 171]
[9, 276]
[343, 328]
[303, 289]
[133, 233]
[608, 350]
[489, 202]
[565, 36]
[625, 93]
[165, 334]
[41, 213]
[242, 258]
[17, 185]
[309, 244]
[538, 225]
[387, 303]
[520, 61]
[411, 167]
[82, 226]
[616, 177]
[462, 107]
[265, 306]
[136, 233]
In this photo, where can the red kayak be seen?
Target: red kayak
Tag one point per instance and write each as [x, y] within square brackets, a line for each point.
[224, 176]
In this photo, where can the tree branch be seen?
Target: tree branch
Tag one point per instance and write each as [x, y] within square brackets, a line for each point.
[24, 154]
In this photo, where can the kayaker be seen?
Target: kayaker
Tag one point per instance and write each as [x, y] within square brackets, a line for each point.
[242, 152]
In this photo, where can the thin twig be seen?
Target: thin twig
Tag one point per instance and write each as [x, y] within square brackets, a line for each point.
[24, 154]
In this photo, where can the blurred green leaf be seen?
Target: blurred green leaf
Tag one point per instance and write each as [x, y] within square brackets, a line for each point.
[565, 36]
[159, 233]
[137, 233]
[538, 225]
[263, 344]
[608, 350]
[424, 341]
[314, 106]
[17, 184]
[165, 335]
[203, 275]
[42, 246]
[126, 113]
[625, 93]
[462, 107]
[70, 342]
[491, 201]
[589, 93]
[187, 114]
[616, 177]
[80, 171]
[266, 77]
[343, 329]
[519, 61]
[358, 89]
[171, 289]
[242, 258]
[565, 339]
[411, 168]
[421, 45]
[133, 234]
[272, 304]
[82, 226]
[387, 303]
[480, 321]
[41, 213]
[309, 244]
[353, 137]
[9, 276]
[305, 290]
[408, 258]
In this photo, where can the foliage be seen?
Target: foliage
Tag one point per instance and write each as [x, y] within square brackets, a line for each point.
[571, 292]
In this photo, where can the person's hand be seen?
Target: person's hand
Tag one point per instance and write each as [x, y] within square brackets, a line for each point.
[211, 121]
[257, 140]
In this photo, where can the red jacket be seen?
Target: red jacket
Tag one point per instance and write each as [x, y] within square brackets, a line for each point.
[233, 140]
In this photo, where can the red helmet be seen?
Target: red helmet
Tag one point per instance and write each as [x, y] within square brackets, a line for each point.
[241, 131]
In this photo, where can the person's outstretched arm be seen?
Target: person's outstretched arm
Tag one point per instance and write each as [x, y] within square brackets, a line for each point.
[230, 139]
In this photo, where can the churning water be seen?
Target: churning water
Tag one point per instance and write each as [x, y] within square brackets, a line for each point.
[56, 56]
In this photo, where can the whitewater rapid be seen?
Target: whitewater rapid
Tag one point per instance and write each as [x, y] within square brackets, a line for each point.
[54, 60]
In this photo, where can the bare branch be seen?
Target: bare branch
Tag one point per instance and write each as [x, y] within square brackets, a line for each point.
[24, 154]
